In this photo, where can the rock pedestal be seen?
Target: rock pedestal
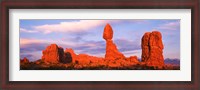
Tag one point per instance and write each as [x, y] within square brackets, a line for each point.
[111, 49]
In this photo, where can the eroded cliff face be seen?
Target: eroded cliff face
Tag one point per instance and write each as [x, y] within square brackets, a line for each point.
[53, 54]
[70, 55]
[152, 49]
[112, 52]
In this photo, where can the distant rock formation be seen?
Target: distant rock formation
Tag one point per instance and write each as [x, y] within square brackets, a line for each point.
[24, 60]
[152, 49]
[111, 49]
[53, 54]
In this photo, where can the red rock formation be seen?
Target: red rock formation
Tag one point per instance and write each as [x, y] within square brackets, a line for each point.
[87, 59]
[70, 56]
[108, 32]
[53, 54]
[83, 59]
[133, 59]
[111, 49]
[152, 49]
[145, 46]
[25, 60]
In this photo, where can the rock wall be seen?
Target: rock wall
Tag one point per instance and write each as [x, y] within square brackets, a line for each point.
[53, 54]
[70, 55]
[152, 49]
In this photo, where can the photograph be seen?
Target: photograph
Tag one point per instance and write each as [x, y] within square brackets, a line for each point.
[105, 44]
[100, 44]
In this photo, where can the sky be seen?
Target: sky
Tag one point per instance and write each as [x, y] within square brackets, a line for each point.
[86, 36]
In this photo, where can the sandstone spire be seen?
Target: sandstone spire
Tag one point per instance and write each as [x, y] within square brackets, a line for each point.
[152, 49]
[111, 49]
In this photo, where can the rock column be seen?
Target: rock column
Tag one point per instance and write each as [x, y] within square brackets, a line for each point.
[152, 49]
[111, 49]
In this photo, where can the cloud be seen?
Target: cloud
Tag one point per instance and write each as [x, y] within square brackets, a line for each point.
[127, 45]
[75, 26]
[82, 25]
[91, 47]
[169, 26]
[24, 41]
[137, 53]
[27, 31]
[32, 45]
[32, 56]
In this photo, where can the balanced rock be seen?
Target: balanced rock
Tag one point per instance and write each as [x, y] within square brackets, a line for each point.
[112, 52]
[152, 49]
[108, 32]
[53, 54]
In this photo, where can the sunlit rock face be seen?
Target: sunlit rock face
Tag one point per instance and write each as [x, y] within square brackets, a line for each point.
[70, 55]
[112, 52]
[53, 54]
[152, 49]
[108, 32]
[85, 59]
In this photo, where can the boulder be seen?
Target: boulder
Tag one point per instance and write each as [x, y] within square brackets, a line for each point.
[108, 32]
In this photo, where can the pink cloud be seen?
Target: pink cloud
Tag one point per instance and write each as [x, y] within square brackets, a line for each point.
[169, 26]
[137, 53]
[28, 41]
[24, 41]
[27, 31]
[82, 25]
[75, 26]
